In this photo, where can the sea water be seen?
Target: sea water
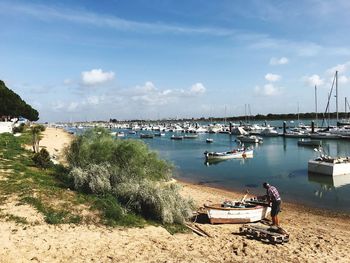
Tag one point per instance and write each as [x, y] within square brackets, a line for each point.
[278, 161]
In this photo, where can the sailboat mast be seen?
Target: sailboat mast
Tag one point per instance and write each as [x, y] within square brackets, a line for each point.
[345, 105]
[316, 104]
[336, 95]
[298, 115]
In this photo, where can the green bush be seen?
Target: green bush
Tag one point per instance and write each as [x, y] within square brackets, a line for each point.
[130, 172]
[42, 159]
[19, 129]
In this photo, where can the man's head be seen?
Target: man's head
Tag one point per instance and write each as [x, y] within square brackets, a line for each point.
[266, 185]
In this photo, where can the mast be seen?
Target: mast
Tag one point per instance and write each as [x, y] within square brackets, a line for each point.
[298, 115]
[336, 93]
[316, 104]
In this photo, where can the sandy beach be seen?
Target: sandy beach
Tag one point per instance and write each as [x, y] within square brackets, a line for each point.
[315, 235]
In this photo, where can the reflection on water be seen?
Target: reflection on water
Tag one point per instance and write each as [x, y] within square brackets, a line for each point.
[330, 181]
[241, 161]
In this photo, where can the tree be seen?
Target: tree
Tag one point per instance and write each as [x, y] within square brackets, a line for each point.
[12, 105]
[36, 132]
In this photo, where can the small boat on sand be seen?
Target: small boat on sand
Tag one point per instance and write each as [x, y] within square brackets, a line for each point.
[232, 212]
[236, 153]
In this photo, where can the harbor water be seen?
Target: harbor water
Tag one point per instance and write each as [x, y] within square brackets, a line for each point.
[278, 160]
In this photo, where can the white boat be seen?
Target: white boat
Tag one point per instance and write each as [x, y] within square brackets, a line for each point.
[236, 153]
[269, 132]
[236, 212]
[120, 134]
[311, 143]
[175, 137]
[209, 140]
[329, 166]
[296, 134]
[250, 139]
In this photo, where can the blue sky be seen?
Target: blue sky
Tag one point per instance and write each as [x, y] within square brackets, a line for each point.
[95, 60]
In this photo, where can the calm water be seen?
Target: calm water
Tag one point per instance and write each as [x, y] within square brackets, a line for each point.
[279, 161]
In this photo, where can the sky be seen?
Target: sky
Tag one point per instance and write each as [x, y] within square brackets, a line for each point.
[154, 59]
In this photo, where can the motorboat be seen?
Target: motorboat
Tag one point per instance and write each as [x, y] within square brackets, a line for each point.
[311, 143]
[209, 140]
[236, 153]
[146, 136]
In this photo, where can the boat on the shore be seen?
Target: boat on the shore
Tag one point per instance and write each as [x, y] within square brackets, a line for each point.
[329, 166]
[233, 212]
[235, 153]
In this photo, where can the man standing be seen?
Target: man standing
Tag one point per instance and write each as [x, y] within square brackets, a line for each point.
[274, 198]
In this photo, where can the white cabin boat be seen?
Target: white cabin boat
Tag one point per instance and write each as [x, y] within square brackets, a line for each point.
[238, 212]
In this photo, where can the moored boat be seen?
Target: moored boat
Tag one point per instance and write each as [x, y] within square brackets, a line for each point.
[311, 143]
[146, 136]
[329, 166]
[209, 140]
[176, 137]
[236, 212]
[236, 153]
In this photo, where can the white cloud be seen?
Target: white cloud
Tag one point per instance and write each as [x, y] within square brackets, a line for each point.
[72, 106]
[149, 94]
[96, 77]
[67, 82]
[272, 77]
[58, 105]
[197, 89]
[343, 79]
[313, 80]
[93, 100]
[268, 90]
[341, 68]
[279, 61]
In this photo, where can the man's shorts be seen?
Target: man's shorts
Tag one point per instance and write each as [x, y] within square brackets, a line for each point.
[276, 207]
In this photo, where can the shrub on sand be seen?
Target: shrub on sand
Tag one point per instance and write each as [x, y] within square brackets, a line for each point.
[130, 172]
[42, 159]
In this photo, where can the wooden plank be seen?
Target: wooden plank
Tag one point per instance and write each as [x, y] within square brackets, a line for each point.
[198, 232]
[201, 229]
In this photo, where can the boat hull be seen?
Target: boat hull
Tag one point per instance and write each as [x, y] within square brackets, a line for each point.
[327, 168]
[236, 155]
[223, 215]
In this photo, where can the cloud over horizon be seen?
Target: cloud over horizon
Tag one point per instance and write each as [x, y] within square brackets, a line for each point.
[96, 77]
